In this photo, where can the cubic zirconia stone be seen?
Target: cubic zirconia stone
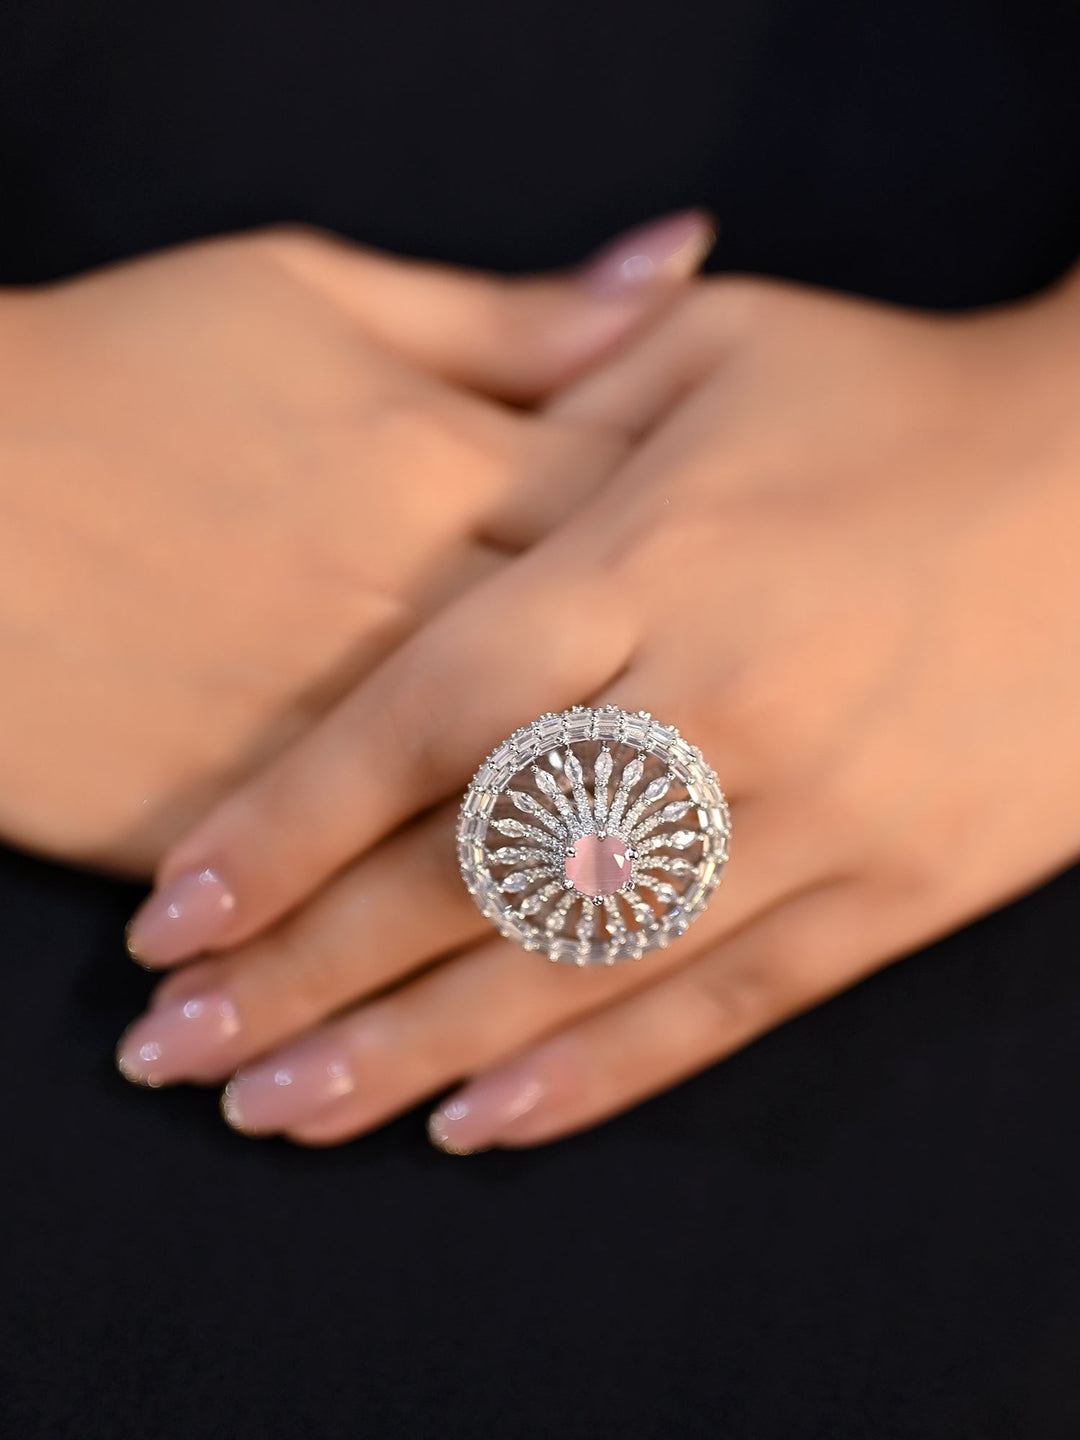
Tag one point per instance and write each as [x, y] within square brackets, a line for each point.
[607, 725]
[598, 867]
[550, 731]
[579, 725]
[636, 730]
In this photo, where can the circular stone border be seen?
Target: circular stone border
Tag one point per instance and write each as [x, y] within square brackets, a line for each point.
[618, 727]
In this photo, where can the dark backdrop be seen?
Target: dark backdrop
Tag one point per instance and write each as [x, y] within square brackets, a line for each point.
[864, 1227]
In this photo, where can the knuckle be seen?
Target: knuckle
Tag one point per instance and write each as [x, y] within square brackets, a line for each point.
[407, 428]
[285, 249]
[768, 976]
[756, 697]
[417, 434]
[500, 314]
[647, 537]
[411, 709]
[317, 978]
[736, 303]
[287, 239]
[732, 1001]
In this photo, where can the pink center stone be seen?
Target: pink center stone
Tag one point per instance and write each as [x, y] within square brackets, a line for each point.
[598, 867]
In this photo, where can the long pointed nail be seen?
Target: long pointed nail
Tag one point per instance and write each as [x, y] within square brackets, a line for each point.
[663, 252]
[476, 1117]
[295, 1085]
[180, 919]
[182, 1041]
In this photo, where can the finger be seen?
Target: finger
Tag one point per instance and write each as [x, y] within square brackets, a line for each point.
[545, 472]
[798, 954]
[383, 918]
[468, 1013]
[535, 638]
[734, 746]
[375, 925]
[638, 386]
[512, 338]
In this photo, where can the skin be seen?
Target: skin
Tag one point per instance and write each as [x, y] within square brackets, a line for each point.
[232, 477]
[840, 557]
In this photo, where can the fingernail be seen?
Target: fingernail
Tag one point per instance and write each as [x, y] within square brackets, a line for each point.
[178, 1041]
[295, 1085]
[477, 1115]
[661, 253]
[180, 919]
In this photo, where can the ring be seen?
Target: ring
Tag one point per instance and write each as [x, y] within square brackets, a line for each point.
[619, 834]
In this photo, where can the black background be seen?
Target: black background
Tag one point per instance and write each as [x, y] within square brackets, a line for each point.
[864, 1226]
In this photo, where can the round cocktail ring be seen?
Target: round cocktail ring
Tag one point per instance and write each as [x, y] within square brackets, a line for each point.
[618, 834]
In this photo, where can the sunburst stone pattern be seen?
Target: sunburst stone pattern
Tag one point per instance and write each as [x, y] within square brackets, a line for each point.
[593, 836]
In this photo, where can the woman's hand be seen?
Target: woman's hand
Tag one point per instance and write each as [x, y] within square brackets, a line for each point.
[842, 559]
[235, 474]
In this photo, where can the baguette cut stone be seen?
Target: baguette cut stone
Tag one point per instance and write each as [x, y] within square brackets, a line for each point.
[598, 867]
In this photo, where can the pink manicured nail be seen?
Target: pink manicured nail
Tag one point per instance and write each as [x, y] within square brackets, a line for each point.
[297, 1084]
[662, 252]
[476, 1117]
[180, 919]
[179, 1041]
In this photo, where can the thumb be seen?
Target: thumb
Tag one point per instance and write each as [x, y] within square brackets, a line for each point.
[515, 338]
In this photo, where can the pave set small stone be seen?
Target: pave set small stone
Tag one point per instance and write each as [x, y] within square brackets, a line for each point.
[595, 835]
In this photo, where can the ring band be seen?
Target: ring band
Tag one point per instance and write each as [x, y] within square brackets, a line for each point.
[620, 834]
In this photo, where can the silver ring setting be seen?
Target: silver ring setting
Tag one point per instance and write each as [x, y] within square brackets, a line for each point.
[593, 836]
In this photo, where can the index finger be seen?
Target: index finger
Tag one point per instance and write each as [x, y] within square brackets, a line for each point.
[536, 637]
